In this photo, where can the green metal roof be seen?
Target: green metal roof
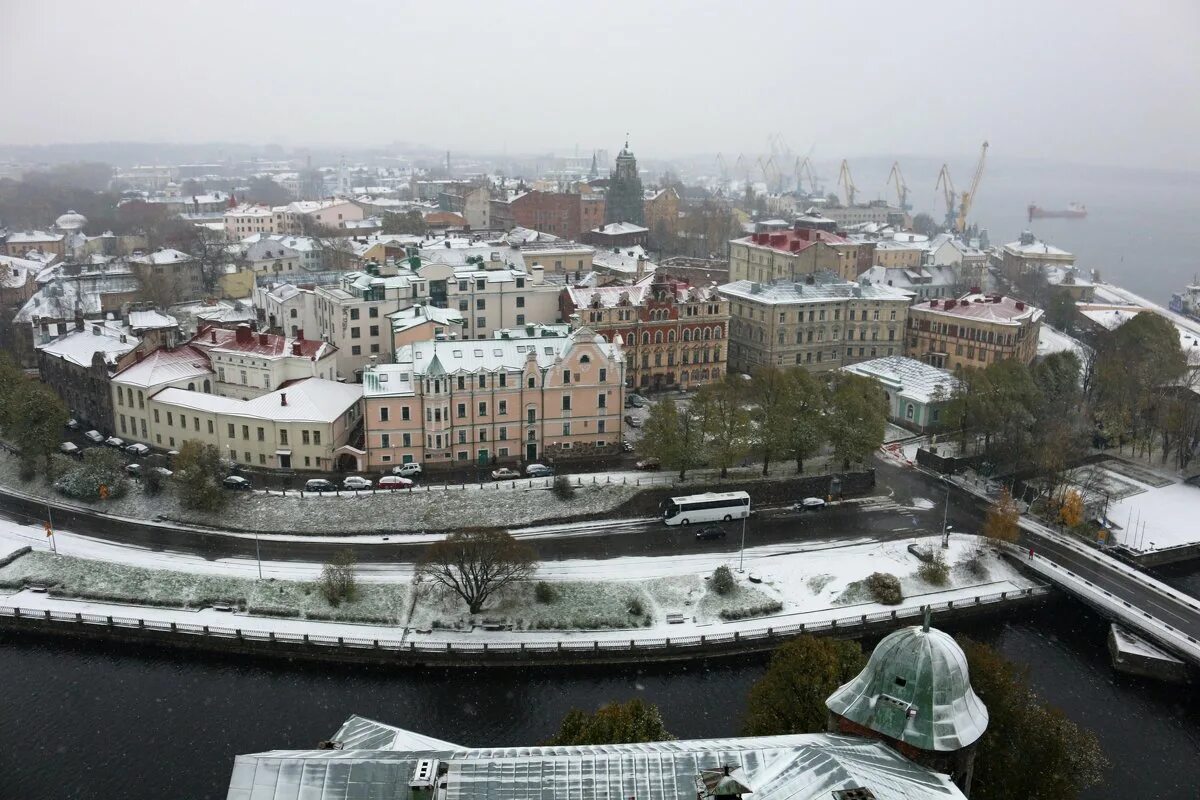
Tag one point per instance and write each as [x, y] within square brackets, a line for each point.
[915, 688]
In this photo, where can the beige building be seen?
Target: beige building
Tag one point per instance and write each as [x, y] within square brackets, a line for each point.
[247, 364]
[1031, 254]
[818, 324]
[446, 403]
[178, 269]
[307, 425]
[185, 367]
[420, 323]
[18, 243]
[245, 220]
[791, 254]
[294, 217]
[904, 255]
[973, 331]
[353, 316]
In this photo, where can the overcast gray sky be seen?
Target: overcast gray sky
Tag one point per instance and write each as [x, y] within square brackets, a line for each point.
[1106, 83]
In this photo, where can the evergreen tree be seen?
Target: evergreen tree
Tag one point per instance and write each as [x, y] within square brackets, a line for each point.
[616, 723]
[790, 697]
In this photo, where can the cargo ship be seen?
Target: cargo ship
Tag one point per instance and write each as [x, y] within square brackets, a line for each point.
[1187, 302]
[1072, 211]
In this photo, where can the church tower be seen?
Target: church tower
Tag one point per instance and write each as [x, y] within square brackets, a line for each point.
[915, 694]
[625, 201]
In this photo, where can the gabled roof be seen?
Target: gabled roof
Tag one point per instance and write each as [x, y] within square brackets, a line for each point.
[619, 228]
[416, 315]
[80, 347]
[162, 257]
[150, 320]
[163, 366]
[308, 400]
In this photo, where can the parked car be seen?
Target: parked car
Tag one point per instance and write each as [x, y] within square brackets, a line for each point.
[166, 473]
[633, 401]
[113, 441]
[538, 471]
[70, 448]
[356, 482]
[394, 482]
[94, 436]
[505, 474]
[138, 450]
[73, 424]
[711, 532]
[319, 485]
[134, 469]
[649, 463]
[627, 446]
[810, 504]
[638, 398]
[632, 422]
[411, 470]
[237, 483]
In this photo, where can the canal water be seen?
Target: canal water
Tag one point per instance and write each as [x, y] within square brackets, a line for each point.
[94, 721]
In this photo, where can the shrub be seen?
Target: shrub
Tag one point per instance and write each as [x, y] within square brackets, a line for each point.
[722, 580]
[337, 581]
[563, 488]
[935, 571]
[101, 467]
[762, 610]
[635, 607]
[974, 563]
[544, 593]
[885, 588]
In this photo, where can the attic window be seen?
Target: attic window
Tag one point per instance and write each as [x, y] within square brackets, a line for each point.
[901, 681]
[584, 359]
[858, 793]
[497, 352]
[549, 351]
[478, 354]
[458, 353]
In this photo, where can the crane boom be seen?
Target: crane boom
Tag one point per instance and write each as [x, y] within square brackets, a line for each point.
[897, 177]
[847, 182]
[947, 186]
[968, 197]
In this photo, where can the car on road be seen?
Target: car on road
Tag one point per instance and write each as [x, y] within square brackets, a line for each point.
[73, 424]
[394, 482]
[69, 448]
[134, 469]
[505, 474]
[412, 470]
[138, 450]
[627, 446]
[711, 532]
[94, 436]
[649, 463]
[113, 441]
[163, 471]
[539, 471]
[810, 504]
[356, 482]
[632, 421]
[319, 485]
[237, 483]
[633, 401]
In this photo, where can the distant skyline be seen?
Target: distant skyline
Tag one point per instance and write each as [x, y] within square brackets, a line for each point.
[1060, 81]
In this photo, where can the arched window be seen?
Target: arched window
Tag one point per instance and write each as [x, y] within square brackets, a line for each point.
[645, 337]
[658, 337]
[191, 387]
[671, 335]
[716, 333]
[687, 334]
[585, 359]
[707, 334]
[908, 411]
[207, 387]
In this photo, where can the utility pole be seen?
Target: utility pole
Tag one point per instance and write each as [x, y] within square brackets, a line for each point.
[945, 528]
[258, 555]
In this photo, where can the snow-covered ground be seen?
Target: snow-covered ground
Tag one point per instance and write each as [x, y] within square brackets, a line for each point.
[791, 584]
[1156, 517]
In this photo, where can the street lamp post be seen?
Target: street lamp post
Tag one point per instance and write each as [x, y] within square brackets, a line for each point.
[742, 552]
[945, 527]
[258, 555]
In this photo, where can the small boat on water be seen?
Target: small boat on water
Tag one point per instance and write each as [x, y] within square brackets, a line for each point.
[1187, 302]
[1072, 211]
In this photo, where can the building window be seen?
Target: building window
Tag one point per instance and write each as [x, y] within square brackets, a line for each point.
[603, 375]
[404, 413]
[566, 429]
[483, 409]
[374, 330]
[383, 413]
[406, 440]
[262, 435]
[503, 434]
[601, 400]
[356, 350]
[372, 312]
[304, 438]
[316, 437]
[600, 426]
[566, 402]
[502, 408]
[354, 313]
[480, 322]
[283, 437]
[354, 333]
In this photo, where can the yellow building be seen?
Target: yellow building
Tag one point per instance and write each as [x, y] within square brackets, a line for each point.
[973, 331]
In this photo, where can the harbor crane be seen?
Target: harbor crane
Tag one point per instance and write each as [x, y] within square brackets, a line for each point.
[847, 183]
[947, 186]
[968, 197]
[770, 169]
[724, 170]
[897, 177]
[804, 168]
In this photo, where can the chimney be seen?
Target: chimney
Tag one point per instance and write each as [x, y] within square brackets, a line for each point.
[213, 335]
[283, 398]
[243, 335]
[300, 334]
[1020, 306]
[296, 348]
[641, 267]
[262, 339]
[79, 322]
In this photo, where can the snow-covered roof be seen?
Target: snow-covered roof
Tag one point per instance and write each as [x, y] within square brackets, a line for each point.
[623, 260]
[303, 244]
[416, 315]
[265, 345]
[163, 366]
[619, 228]
[33, 237]
[907, 376]
[307, 400]
[79, 347]
[162, 257]
[61, 298]
[15, 272]
[249, 211]
[791, 241]
[911, 277]
[820, 291]
[1029, 246]
[1052, 340]
[792, 767]
[149, 320]
[635, 294]
[997, 309]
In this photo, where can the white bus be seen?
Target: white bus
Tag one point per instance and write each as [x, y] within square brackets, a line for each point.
[708, 507]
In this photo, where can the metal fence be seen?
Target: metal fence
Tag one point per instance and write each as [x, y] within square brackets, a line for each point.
[635, 644]
[598, 479]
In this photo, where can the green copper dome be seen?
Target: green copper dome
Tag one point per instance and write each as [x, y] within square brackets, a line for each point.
[915, 689]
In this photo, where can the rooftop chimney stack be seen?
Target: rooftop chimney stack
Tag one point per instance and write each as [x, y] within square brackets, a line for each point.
[283, 398]
[243, 335]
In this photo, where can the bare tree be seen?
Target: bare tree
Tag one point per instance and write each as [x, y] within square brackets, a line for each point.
[477, 564]
[337, 578]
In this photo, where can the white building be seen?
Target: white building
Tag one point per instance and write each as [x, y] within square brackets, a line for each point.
[916, 392]
[924, 282]
[288, 308]
[247, 364]
[283, 254]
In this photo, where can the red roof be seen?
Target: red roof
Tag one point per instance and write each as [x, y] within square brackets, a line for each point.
[243, 340]
[793, 241]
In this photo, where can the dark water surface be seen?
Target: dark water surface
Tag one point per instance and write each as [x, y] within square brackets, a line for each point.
[93, 721]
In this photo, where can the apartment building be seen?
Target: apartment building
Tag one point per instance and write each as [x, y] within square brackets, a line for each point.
[789, 255]
[286, 309]
[352, 315]
[1030, 254]
[79, 366]
[173, 268]
[247, 364]
[445, 403]
[422, 322]
[821, 323]
[973, 331]
[132, 386]
[245, 220]
[673, 333]
[284, 255]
